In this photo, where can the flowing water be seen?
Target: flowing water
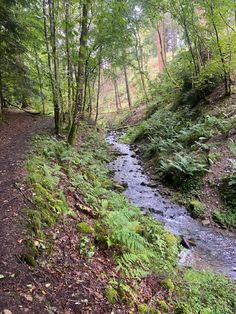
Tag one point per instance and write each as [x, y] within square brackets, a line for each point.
[213, 249]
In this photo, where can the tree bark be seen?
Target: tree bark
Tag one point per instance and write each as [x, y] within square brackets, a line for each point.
[161, 48]
[98, 92]
[1, 98]
[140, 68]
[57, 103]
[226, 75]
[39, 80]
[127, 87]
[69, 66]
[116, 96]
[80, 77]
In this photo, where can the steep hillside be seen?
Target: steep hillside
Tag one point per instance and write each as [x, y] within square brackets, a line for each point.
[190, 148]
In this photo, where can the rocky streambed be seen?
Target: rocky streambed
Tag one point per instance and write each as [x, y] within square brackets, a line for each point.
[208, 248]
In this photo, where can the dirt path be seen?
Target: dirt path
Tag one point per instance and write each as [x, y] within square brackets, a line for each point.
[15, 133]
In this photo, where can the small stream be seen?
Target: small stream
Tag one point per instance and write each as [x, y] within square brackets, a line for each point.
[213, 250]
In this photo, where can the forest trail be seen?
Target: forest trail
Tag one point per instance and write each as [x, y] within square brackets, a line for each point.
[14, 145]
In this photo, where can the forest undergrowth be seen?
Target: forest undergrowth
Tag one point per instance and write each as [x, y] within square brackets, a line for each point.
[74, 186]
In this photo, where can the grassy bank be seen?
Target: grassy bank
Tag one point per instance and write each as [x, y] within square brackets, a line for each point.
[74, 188]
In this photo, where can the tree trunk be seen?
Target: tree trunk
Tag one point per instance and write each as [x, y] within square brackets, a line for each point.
[127, 87]
[161, 48]
[55, 66]
[140, 66]
[47, 43]
[173, 38]
[1, 98]
[39, 80]
[80, 77]
[116, 96]
[226, 74]
[185, 27]
[98, 92]
[69, 66]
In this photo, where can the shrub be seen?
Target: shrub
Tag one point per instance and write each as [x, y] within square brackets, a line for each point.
[203, 292]
[197, 209]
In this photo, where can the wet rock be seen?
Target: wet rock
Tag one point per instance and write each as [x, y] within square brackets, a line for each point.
[206, 222]
[234, 269]
[133, 156]
[152, 185]
[6, 312]
[119, 154]
[131, 170]
[158, 212]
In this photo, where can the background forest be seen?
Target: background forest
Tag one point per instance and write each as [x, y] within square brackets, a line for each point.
[156, 77]
[84, 58]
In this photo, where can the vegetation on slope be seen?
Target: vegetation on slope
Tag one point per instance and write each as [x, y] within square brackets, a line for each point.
[68, 184]
[181, 135]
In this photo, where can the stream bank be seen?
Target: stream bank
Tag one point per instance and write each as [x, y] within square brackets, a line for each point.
[213, 249]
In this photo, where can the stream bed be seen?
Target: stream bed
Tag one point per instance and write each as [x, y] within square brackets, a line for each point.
[213, 249]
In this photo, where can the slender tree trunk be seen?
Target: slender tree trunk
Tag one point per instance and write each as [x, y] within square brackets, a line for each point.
[69, 67]
[185, 27]
[226, 74]
[85, 86]
[39, 80]
[1, 98]
[140, 67]
[173, 39]
[55, 66]
[98, 92]
[80, 78]
[116, 96]
[51, 55]
[160, 47]
[127, 87]
[89, 100]
[163, 54]
[48, 50]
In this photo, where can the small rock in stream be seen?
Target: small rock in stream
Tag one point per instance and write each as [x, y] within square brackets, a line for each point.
[158, 212]
[206, 222]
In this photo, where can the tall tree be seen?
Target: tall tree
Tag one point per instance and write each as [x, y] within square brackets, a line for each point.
[80, 73]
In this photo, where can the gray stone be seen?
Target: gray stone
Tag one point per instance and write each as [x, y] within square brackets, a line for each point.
[6, 311]
[206, 222]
